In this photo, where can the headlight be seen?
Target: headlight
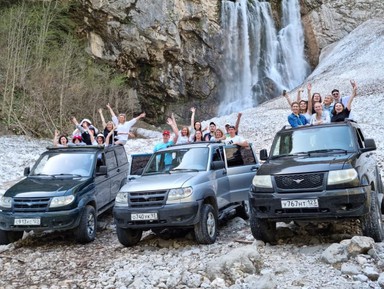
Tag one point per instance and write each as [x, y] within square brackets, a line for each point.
[342, 176]
[179, 195]
[61, 201]
[262, 181]
[121, 199]
[5, 202]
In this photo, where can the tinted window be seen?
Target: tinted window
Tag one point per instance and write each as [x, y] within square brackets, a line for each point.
[111, 160]
[307, 140]
[65, 163]
[178, 160]
[121, 155]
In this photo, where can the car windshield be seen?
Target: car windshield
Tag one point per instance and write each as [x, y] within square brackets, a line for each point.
[178, 160]
[338, 139]
[60, 164]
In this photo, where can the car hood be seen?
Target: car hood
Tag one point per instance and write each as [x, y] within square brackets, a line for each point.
[307, 164]
[44, 187]
[158, 182]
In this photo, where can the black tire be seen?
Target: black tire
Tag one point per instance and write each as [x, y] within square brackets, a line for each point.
[7, 237]
[262, 229]
[243, 211]
[372, 223]
[206, 229]
[86, 231]
[129, 237]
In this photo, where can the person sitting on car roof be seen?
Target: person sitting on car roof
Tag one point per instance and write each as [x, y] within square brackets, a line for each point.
[60, 141]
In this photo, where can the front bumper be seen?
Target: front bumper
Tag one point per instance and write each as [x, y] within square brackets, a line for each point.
[334, 204]
[175, 215]
[57, 220]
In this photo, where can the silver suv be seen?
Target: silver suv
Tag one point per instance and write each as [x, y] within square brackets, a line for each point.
[186, 186]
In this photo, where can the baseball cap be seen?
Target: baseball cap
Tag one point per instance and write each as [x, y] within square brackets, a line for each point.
[166, 132]
[212, 123]
[227, 124]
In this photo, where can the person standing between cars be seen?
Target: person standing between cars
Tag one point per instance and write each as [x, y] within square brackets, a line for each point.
[295, 119]
[341, 112]
[122, 126]
[234, 139]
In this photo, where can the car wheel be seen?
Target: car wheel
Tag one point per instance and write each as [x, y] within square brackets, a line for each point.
[7, 237]
[372, 223]
[263, 229]
[129, 237]
[86, 231]
[206, 229]
[243, 210]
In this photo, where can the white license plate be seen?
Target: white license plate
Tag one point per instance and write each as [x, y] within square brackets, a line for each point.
[144, 217]
[27, 222]
[310, 203]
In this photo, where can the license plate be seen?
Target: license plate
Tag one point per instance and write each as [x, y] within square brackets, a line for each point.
[144, 217]
[27, 222]
[310, 203]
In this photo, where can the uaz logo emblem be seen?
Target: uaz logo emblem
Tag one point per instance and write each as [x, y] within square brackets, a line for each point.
[298, 181]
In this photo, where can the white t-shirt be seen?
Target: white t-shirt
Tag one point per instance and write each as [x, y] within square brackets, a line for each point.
[123, 128]
[236, 139]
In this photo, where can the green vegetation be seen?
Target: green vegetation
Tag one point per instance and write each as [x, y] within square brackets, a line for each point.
[45, 74]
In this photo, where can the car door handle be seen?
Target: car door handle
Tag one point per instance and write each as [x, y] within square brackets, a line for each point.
[254, 169]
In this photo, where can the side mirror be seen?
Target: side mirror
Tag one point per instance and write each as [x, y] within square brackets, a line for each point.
[370, 145]
[216, 165]
[263, 154]
[102, 170]
[27, 171]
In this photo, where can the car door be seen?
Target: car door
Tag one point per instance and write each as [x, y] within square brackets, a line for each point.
[121, 172]
[115, 175]
[241, 168]
[221, 178]
[102, 183]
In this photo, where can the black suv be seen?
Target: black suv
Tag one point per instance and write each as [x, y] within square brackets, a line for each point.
[66, 189]
[317, 173]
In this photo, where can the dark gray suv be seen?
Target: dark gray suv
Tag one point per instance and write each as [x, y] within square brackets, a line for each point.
[317, 173]
[66, 189]
[186, 186]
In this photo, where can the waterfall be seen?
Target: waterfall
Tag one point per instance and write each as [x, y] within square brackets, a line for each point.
[259, 61]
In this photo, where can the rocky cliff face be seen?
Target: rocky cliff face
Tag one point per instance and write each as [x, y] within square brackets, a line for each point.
[327, 21]
[171, 50]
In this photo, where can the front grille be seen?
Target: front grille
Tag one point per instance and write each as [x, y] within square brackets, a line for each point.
[300, 181]
[32, 205]
[147, 199]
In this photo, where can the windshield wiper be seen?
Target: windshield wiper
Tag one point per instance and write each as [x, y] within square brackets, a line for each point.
[291, 155]
[43, 175]
[328, 151]
[184, 170]
[67, 175]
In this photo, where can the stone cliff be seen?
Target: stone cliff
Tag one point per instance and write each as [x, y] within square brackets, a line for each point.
[171, 50]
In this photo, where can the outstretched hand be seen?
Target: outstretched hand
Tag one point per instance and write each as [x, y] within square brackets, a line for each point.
[354, 84]
[309, 86]
[169, 121]
[142, 115]
[193, 110]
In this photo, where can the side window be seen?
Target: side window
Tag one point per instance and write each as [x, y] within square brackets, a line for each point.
[234, 157]
[121, 155]
[111, 160]
[360, 138]
[247, 155]
[218, 154]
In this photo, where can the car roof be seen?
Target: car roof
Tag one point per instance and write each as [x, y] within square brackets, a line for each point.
[200, 144]
[85, 148]
[347, 122]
